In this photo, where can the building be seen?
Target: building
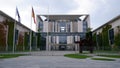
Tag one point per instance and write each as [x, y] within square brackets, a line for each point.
[113, 28]
[14, 36]
[59, 32]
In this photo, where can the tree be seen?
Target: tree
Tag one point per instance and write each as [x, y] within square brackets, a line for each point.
[117, 39]
[94, 37]
[105, 40]
[89, 29]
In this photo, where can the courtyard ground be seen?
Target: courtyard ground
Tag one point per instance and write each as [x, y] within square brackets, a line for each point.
[55, 59]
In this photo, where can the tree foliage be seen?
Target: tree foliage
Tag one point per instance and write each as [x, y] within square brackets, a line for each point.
[105, 40]
[117, 39]
[10, 35]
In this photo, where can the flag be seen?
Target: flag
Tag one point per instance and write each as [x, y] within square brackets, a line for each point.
[33, 15]
[17, 13]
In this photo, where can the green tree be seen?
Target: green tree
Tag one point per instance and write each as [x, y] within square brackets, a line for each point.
[38, 40]
[94, 39]
[89, 29]
[99, 41]
[10, 35]
[105, 40]
[117, 39]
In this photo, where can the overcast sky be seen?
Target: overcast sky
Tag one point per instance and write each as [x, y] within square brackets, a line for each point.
[101, 11]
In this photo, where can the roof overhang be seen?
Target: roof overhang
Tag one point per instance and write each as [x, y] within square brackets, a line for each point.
[63, 17]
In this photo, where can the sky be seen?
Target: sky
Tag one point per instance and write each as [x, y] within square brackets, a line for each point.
[101, 11]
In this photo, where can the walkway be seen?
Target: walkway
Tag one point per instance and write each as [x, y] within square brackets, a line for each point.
[45, 53]
[57, 61]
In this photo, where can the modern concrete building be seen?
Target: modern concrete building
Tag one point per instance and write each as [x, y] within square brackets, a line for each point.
[14, 36]
[112, 31]
[59, 32]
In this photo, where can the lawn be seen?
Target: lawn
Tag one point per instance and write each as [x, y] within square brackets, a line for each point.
[111, 56]
[77, 56]
[103, 59]
[105, 51]
[4, 56]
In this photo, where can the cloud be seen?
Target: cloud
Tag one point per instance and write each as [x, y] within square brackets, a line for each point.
[86, 6]
[100, 10]
[62, 6]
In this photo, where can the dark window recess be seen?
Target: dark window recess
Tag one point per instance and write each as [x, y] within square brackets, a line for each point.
[111, 36]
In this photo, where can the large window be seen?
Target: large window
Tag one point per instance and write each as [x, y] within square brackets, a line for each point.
[62, 26]
[111, 36]
[63, 39]
[68, 27]
[85, 26]
[40, 26]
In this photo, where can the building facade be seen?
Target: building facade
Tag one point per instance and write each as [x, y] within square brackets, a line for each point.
[59, 32]
[14, 35]
[112, 29]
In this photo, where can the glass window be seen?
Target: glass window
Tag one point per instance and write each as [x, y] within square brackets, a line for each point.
[63, 39]
[111, 36]
[52, 39]
[68, 27]
[40, 26]
[54, 26]
[85, 26]
[62, 26]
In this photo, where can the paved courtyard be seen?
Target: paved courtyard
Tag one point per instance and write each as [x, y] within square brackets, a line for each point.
[55, 61]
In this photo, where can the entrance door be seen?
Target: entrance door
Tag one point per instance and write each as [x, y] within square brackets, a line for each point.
[62, 42]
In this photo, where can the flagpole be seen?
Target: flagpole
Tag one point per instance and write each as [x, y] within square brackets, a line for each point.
[36, 35]
[31, 33]
[48, 31]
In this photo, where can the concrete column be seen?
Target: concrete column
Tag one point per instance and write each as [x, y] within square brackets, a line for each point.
[47, 37]
[66, 27]
[53, 23]
[54, 39]
[46, 43]
[71, 28]
[56, 27]
[49, 41]
[76, 45]
[57, 39]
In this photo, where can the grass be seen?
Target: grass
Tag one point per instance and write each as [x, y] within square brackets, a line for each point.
[103, 59]
[111, 56]
[77, 56]
[105, 51]
[5, 56]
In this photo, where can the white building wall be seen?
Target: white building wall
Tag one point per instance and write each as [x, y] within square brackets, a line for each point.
[45, 26]
[50, 27]
[80, 27]
[57, 39]
[115, 24]
[20, 28]
[53, 26]
[2, 18]
[71, 27]
[99, 31]
[69, 39]
[88, 21]
[74, 27]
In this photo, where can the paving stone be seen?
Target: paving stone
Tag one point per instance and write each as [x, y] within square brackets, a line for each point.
[38, 60]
